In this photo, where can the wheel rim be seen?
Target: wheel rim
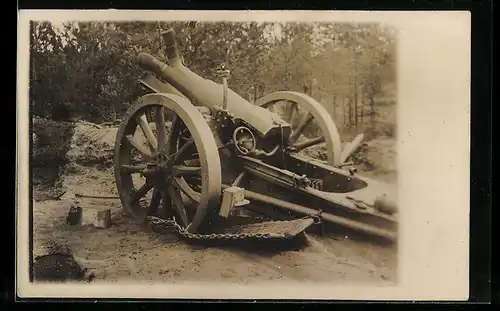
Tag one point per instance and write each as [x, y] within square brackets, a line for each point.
[154, 164]
[315, 113]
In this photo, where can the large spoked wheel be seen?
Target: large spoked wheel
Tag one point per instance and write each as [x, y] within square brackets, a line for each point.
[313, 114]
[162, 145]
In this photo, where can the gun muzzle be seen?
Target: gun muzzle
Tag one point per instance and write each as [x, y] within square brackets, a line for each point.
[150, 63]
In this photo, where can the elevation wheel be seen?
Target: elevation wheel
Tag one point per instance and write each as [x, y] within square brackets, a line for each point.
[162, 142]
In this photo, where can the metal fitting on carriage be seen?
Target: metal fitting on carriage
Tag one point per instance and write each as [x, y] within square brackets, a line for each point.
[301, 181]
[232, 197]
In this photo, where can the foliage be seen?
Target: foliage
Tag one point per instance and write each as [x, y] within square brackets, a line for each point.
[88, 70]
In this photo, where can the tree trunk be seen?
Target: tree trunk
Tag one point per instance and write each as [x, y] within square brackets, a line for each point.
[349, 111]
[362, 108]
[334, 106]
[344, 110]
[355, 101]
[372, 106]
[113, 112]
[255, 93]
[372, 112]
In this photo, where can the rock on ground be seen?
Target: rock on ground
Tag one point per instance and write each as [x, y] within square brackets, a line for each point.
[53, 260]
[90, 145]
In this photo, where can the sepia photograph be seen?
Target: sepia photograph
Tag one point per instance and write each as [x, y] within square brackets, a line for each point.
[237, 151]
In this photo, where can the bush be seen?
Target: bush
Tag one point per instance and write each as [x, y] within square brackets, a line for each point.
[49, 150]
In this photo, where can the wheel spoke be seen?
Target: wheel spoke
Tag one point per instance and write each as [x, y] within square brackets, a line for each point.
[167, 212]
[180, 153]
[194, 182]
[192, 162]
[146, 130]
[133, 168]
[182, 185]
[184, 133]
[137, 195]
[271, 107]
[293, 110]
[181, 170]
[178, 205]
[308, 143]
[173, 127]
[155, 201]
[298, 131]
[351, 147]
[139, 147]
[160, 127]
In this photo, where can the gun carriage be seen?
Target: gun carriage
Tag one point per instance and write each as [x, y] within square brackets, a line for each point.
[194, 152]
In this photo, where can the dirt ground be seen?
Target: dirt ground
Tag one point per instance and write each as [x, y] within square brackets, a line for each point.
[128, 251]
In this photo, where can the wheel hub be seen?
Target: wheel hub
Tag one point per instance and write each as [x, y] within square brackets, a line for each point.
[162, 161]
[160, 168]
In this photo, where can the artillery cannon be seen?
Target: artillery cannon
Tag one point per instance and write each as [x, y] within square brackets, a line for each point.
[196, 151]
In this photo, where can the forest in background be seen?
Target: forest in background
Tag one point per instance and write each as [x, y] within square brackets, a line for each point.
[88, 70]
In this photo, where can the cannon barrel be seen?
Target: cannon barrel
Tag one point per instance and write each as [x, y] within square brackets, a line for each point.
[207, 93]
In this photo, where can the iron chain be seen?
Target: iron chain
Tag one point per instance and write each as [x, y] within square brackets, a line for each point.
[215, 236]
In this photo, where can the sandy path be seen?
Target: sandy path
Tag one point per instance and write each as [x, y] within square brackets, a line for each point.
[128, 251]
